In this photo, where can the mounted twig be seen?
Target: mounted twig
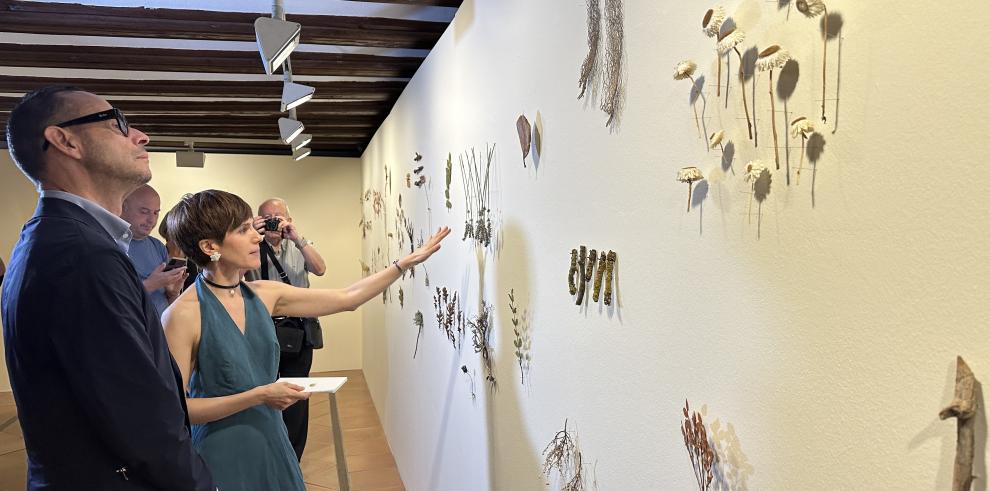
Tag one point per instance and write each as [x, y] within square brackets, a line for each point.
[812, 9]
[770, 58]
[481, 330]
[613, 59]
[963, 407]
[594, 38]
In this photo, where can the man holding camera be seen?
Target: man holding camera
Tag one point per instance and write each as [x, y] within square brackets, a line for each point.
[162, 280]
[297, 257]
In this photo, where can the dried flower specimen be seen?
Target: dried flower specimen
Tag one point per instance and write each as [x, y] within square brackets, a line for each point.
[365, 269]
[408, 180]
[699, 450]
[417, 157]
[418, 322]
[716, 139]
[963, 407]
[613, 59]
[770, 58]
[812, 9]
[418, 169]
[563, 455]
[571, 285]
[731, 39]
[377, 203]
[689, 175]
[450, 317]
[447, 192]
[401, 298]
[594, 36]
[599, 274]
[420, 182]
[481, 330]
[470, 376]
[477, 196]
[754, 171]
[522, 341]
[801, 127]
[685, 70]
[712, 24]
[525, 131]
[609, 267]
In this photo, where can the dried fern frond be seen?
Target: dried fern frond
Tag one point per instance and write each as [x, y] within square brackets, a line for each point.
[594, 37]
[730, 40]
[685, 69]
[613, 59]
[810, 8]
[772, 58]
[712, 22]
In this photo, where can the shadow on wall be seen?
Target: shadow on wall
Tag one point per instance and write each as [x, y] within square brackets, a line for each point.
[946, 432]
[463, 20]
[513, 463]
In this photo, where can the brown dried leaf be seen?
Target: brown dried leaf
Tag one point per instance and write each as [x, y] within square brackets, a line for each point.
[525, 131]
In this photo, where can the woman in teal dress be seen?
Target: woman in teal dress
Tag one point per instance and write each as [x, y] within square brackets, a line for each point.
[223, 340]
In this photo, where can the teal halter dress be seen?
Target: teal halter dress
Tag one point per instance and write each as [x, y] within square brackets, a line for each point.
[249, 450]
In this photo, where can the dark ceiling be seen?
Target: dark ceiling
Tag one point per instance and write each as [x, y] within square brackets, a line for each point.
[222, 115]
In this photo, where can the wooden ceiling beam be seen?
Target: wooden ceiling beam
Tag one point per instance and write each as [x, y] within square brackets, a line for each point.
[201, 61]
[240, 109]
[365, 91]
[86, 20]
[434, 3]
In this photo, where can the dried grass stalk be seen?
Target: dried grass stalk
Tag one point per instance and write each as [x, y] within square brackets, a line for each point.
[594, 37]
[699, 450]
[613, 59]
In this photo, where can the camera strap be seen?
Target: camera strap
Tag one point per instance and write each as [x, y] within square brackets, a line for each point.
[266, 251]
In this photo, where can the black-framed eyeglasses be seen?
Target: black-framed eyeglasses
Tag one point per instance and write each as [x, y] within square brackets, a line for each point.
[112, 113]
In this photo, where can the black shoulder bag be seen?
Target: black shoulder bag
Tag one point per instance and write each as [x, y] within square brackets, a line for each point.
[292, 332]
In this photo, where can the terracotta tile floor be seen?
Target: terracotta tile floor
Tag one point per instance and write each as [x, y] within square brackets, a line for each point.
[370, 465]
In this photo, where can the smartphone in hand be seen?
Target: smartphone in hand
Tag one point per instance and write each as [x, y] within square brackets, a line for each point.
[175, 262]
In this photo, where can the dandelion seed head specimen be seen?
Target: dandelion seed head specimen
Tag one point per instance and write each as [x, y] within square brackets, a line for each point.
[754, 169]
[716, 138]
[802, 127]
[810, 8]
[685, 69]
[772, 58]
[713, 20]
[730, 40]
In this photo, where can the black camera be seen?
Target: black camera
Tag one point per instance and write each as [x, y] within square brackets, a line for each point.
[271, 224]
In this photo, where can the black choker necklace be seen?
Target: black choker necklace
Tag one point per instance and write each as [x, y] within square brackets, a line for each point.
[225, 287]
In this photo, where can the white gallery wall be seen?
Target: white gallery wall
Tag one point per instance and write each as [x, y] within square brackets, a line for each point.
[817, 331]
[323, 197]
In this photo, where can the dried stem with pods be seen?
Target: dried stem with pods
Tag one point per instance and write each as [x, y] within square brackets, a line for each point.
[685, 70]
[689, 175]
[481, 330]
[477, 195]
[711, 24]
[731, 40]
[801, 128]
[594, 38]
[963, 407]
[698, 448]
[769, 59]
[812, 9]
[563, 455]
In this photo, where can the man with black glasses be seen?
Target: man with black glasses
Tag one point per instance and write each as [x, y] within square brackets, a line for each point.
[98, 394]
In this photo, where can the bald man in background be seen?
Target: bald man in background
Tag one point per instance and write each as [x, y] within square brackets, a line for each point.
[140, 210]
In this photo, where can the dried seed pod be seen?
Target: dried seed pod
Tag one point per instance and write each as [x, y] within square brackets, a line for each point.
[598, 277]
[609, 265]
[573, 271]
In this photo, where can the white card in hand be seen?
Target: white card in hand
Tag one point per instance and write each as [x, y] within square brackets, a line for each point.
[316, 384]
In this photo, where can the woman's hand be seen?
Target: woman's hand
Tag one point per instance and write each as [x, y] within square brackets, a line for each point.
[280, 395]
[429, 247]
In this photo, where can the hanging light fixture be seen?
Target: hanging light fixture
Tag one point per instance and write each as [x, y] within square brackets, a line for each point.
[301, 141]
[277, 38]
[289, 129]
[294, 94]
[300, 154]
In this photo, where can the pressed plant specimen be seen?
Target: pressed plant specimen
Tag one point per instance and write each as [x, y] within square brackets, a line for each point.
[401, 298]
[769, 59]
[594, 38]
[563, 456]
[481, 330]
[418, 322]
[417, 157]
[711, 24]
[613, 59]
[689, 175]
[450, 317]
[525, 131]
[476, 179]
[447, 191]
[698, 448]
[716, 140]
[731, 39]
[754, 171]
[470, 376]
[812, 9]
[685, 71]
[801, 128]
[522, 341]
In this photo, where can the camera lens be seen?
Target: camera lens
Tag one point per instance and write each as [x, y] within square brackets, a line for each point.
[271, 224]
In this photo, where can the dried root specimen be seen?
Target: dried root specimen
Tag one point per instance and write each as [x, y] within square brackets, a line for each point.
[609, 266]
[770, 58]
[525, 131]
[522, 341]
[563, 455]
[613, 59]
[594, 37]
[689, 175]
[418, 322]
[685, 70]
[598, 277]
[699, 450]
[481, 330]
[801, 127]
[963, 407]
[450, 317]
[712, 24]
[812, 9]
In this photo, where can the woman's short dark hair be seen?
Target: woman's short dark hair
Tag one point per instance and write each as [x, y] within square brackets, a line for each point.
[26, 126]
[206, 215]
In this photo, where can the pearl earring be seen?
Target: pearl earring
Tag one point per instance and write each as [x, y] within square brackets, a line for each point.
[215, 257]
